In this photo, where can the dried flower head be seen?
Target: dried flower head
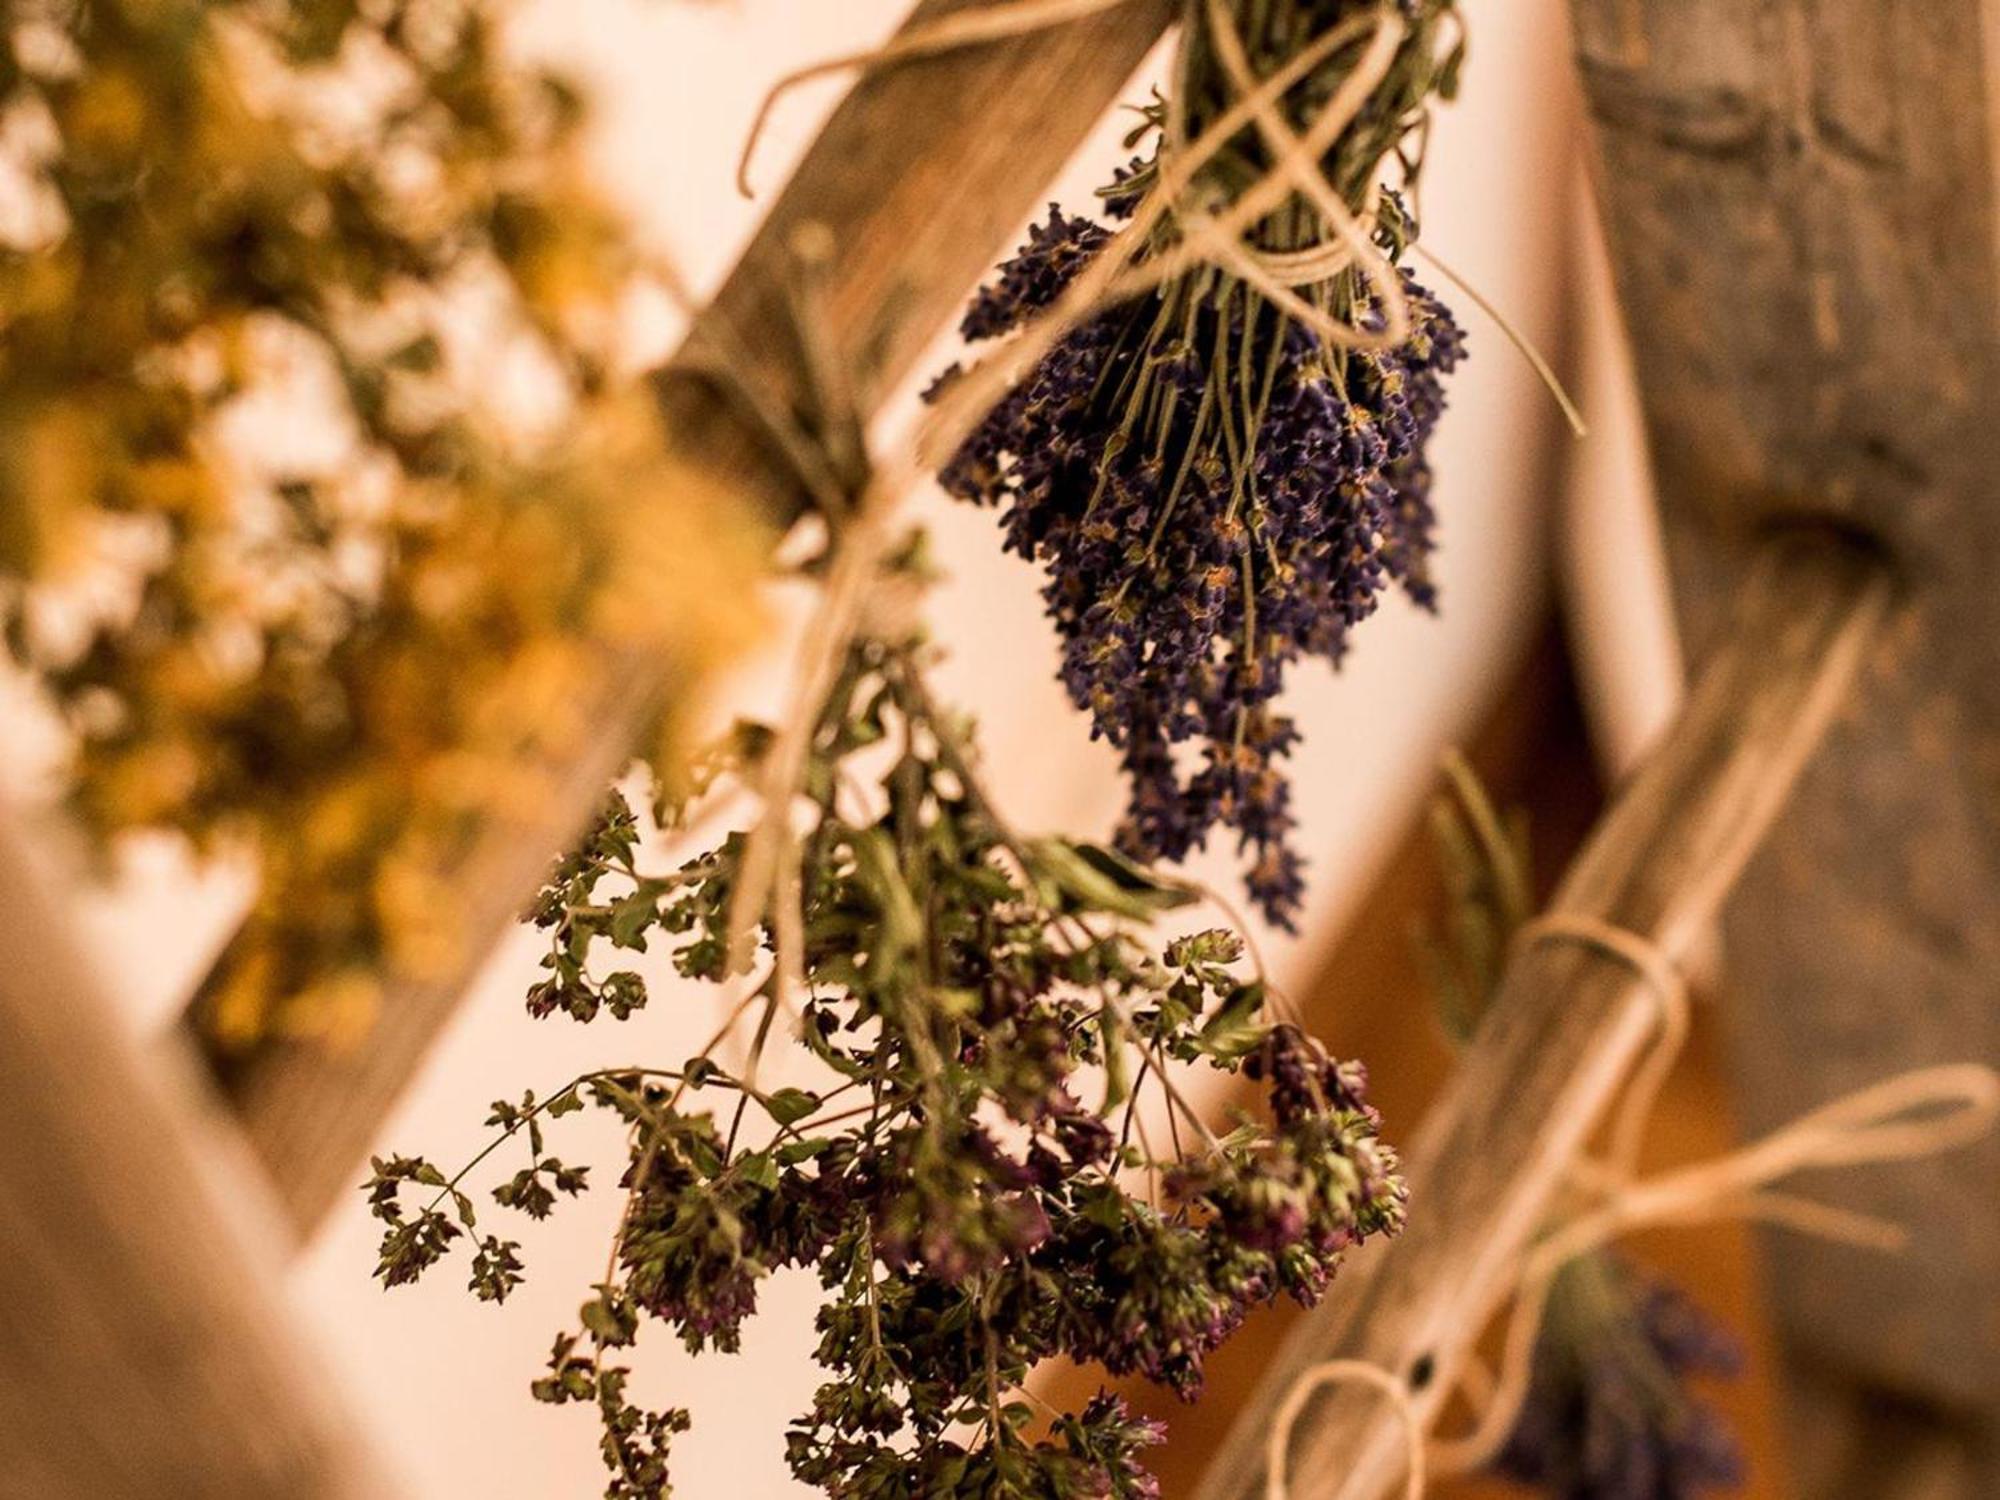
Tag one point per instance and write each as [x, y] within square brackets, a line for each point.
[969, 1167]
[1214, 488]
[1202, 534]
[1609, 1415]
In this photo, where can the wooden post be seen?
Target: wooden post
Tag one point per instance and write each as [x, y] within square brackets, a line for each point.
[913, 188]
[142, 1351]
[1568, 1024]
[1800, 200]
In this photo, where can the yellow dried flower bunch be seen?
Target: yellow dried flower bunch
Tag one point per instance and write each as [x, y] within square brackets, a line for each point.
[326, 521]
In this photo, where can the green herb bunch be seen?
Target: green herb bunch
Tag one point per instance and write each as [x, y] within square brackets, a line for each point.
[999, 1166]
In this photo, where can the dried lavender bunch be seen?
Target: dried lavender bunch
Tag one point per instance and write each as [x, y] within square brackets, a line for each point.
[968, 1171]
[1608, 1414]
[1215, 489]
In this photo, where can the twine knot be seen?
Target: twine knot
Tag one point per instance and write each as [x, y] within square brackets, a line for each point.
[1920, 1113]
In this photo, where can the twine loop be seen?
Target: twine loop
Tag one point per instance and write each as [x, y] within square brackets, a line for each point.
[1277, 1451]
[1307, 266]
[1920, 1113]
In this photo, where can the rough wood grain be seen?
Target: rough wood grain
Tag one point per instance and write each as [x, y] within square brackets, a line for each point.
[142, 1351]
[1800, 198]
[917, 180]
[1568, 1024]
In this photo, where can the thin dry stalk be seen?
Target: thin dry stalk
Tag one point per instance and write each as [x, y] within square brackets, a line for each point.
[912, 218]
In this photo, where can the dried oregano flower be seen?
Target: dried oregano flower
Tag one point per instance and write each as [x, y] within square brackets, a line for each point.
[286, 575]
[1214, 487]
[970, 1172]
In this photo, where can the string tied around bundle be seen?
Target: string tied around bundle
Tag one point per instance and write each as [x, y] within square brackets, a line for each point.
[1217, 237]
[1920, 1113]
[1113, 277]
[967, 28]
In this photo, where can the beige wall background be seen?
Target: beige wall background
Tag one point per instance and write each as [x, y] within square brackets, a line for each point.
[441, 1380]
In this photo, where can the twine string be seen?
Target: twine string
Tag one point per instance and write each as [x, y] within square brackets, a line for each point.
[967, 28]
[1512, 332]
[1115, 274]
[1307, 266]
[1663, 978]
[1921, 1113]
[768, 871]
[1302, 169]
[1277, 1453]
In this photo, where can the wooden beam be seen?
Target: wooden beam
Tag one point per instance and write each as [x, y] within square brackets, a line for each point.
[912, 190]
[1568, 1024]
[1850, 1440]
[1800, 200]
[142, 1351]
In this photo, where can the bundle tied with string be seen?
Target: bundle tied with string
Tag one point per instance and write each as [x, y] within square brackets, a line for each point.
[1211, 426]
[1920, 1113]
[1178, 232]
[1283, 273]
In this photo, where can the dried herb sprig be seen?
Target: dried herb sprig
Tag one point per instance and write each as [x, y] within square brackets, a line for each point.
[1215, 486]
[348, 643]
[972, 1174]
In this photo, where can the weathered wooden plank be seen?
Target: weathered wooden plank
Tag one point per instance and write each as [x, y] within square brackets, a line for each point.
[1567, 1025]
[910, 192]
[1800, 198]
[142, 1344]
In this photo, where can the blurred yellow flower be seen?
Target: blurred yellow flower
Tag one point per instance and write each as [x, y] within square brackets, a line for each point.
[265, 541]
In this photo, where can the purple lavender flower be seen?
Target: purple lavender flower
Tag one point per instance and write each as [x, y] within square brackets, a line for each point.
[1214, 493]
[1608, 1414]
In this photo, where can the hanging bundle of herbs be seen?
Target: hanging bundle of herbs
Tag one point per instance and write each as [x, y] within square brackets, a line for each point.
[1228, 472]
[995, 1163]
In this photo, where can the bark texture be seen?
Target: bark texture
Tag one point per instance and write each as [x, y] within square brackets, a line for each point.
[1800, 201]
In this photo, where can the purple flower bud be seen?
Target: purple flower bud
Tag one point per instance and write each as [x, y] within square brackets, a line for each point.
[1191, 563]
